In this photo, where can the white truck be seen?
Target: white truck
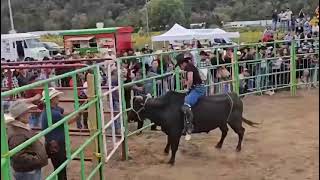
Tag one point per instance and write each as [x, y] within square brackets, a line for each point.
[22, 46]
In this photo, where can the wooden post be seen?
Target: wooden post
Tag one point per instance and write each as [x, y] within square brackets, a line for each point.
[92, 122]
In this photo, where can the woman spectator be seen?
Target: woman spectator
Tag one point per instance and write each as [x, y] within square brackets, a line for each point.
[155, 67]
[28, 162]
[276, 69]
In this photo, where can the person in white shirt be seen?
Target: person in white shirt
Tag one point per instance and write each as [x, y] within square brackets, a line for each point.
[288, 16]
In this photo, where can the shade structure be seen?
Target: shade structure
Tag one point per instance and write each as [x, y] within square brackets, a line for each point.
[215, 33]
[179, 33]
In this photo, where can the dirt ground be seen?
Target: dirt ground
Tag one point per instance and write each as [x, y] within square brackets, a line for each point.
[284, 147]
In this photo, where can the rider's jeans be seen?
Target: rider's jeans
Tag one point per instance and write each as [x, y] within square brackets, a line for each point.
[194, 94]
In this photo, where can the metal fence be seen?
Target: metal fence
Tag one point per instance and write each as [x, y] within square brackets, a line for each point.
[278, 70]
[96, 127]
[274, 72]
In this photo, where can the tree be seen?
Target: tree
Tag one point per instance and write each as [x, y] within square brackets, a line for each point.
[80, 21]
[166, 12]
[34, 15]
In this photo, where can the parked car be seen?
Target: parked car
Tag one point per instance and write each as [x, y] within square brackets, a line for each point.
[53, 48]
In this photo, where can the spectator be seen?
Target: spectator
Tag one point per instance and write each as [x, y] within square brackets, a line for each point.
[299, 29]
[204, 63]
[146, 59]
[282, 20]
[261, 69]
[243, 81]
[24, 77]
[5, 79]
[28, 162]
[55, 140]
[301, 15]
[276, 69]
[204, 59]
[293, 23]
[267, 35]
[147, 50]
[288, 38]
[275, 19]
[307, 28]
[116, 100]
[155, 67]
[199, 45]
[288, 16]
[110, 55]
[36, 93]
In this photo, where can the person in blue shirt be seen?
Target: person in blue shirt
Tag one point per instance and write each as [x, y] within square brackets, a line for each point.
[55, 140]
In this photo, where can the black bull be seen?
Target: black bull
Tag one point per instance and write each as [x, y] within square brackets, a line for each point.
[209, 113]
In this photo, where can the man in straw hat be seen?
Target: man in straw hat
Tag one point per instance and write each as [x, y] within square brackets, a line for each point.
[28, 162]
[55, 140]
[195, 88]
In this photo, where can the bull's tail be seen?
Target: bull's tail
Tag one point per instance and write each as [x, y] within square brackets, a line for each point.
[250, 123]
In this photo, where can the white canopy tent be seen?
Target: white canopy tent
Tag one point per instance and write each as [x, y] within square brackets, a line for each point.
[179, 33]
[216, 33]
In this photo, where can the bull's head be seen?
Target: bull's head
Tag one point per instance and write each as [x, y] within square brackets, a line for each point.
[138, 105]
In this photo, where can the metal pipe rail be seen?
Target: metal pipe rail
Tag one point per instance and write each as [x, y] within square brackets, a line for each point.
[94, 101]
[67, 61]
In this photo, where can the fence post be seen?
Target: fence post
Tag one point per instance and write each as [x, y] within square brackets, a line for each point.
[125, 150]
[293, 79]
[92, 119]
[5, 161]
[177, 74]
[99, 111]
[235, 71]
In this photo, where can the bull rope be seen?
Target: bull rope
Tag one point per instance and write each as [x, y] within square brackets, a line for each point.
[143, 106]
[231, 106]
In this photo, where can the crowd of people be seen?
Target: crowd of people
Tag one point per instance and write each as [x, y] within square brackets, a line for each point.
[287, 21]
[263, 68]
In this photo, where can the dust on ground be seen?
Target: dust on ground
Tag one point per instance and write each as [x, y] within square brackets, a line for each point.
[284, 147]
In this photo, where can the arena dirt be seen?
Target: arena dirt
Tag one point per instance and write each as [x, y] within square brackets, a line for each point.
[284, 147]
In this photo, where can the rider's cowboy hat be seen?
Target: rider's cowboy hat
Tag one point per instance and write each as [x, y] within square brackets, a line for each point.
[181, 59]
[52, 93]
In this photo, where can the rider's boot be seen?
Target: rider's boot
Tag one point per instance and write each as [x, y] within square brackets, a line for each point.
[188, 118]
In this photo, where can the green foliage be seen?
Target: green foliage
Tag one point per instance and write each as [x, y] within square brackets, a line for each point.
[36, 15]
[166, 13]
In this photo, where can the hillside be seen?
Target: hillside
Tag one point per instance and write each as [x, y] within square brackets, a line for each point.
[35, 15]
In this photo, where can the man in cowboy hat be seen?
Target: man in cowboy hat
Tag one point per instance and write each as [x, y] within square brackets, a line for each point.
[55, 140]
[28, 162]
[195, 88]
